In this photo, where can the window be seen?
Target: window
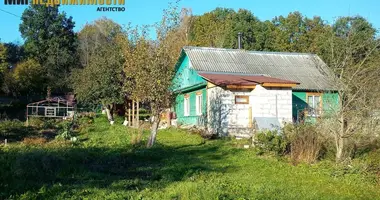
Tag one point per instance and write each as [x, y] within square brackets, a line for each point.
[241, 99]
[50, 112]
[314, 102]
[198, 103]
[186, 105]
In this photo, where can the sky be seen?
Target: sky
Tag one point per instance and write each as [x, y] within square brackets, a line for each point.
[141, 12]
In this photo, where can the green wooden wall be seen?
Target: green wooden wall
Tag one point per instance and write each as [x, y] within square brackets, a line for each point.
[186, 77]
[193, 118]
[330, 102]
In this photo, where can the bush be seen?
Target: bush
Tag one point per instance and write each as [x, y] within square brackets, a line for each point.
[306, 143]
[86, 114]
[270, 142]
[41, 123]
[362, 144]
[66, 131]
[14, 130]
[35, 122]
[85, 120]
[372, 162]
[49, 124]
[34, 141]
[136, 138]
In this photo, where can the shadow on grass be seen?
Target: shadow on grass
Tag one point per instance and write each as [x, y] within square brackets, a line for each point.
[80, 168]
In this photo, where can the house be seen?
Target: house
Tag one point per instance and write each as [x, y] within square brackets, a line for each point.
[230, 91]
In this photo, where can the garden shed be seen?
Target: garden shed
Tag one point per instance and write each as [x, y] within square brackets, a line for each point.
[56, 107]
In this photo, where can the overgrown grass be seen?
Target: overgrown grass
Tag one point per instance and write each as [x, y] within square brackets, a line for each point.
[105, 164]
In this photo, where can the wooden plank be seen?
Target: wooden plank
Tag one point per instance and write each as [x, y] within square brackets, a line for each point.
[279, 85]
[241, 86]
[210, 85]
[250, 120]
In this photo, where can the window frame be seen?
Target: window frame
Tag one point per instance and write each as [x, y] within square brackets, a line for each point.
[186, 105]
[246, 97]
[318, 108]
[198, 103]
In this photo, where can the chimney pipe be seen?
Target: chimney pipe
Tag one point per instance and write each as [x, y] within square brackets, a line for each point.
[239, 40]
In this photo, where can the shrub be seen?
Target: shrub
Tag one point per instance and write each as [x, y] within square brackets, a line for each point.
[34, 141]
[306, 143]
[372, 162]
[136, 137]
[41, 123]
[49, 124]
[362, 144]
[66, 132]
[270, 142]
[14, 129]
[35, 122]
[85, 120]
[86, 114]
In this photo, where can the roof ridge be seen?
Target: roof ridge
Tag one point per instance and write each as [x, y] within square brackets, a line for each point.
[248, 51]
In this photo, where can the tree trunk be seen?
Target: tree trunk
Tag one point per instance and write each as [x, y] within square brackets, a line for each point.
[129, 114]
[153, 131]
[133, 113]
[125, 123]
[339, 148]
[138, 114]
[168, 118]
[339, 140]
[109, 113]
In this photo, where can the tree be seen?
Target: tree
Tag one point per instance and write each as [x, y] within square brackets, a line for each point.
[354, 59]
[15, 53]
[3, 63]
[161, 70]
[211, 29]
[149, 65]
[289, 32]
[101, 77]
[50, 39]
[246, 23]
[137, 54]
[3, 58]
[28, 77]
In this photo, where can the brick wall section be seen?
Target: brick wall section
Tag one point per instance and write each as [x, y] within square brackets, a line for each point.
[265, 104]
[223, 113]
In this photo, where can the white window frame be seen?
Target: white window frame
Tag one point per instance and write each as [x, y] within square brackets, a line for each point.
[314, 110]
[186, 106]
[198, 104]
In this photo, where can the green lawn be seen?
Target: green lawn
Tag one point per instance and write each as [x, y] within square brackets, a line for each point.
[104, 165]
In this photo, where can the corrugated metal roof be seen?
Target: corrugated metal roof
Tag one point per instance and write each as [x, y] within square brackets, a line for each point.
[234, 79]
[307, 69]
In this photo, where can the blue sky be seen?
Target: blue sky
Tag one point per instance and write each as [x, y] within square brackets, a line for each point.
[140, 12]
